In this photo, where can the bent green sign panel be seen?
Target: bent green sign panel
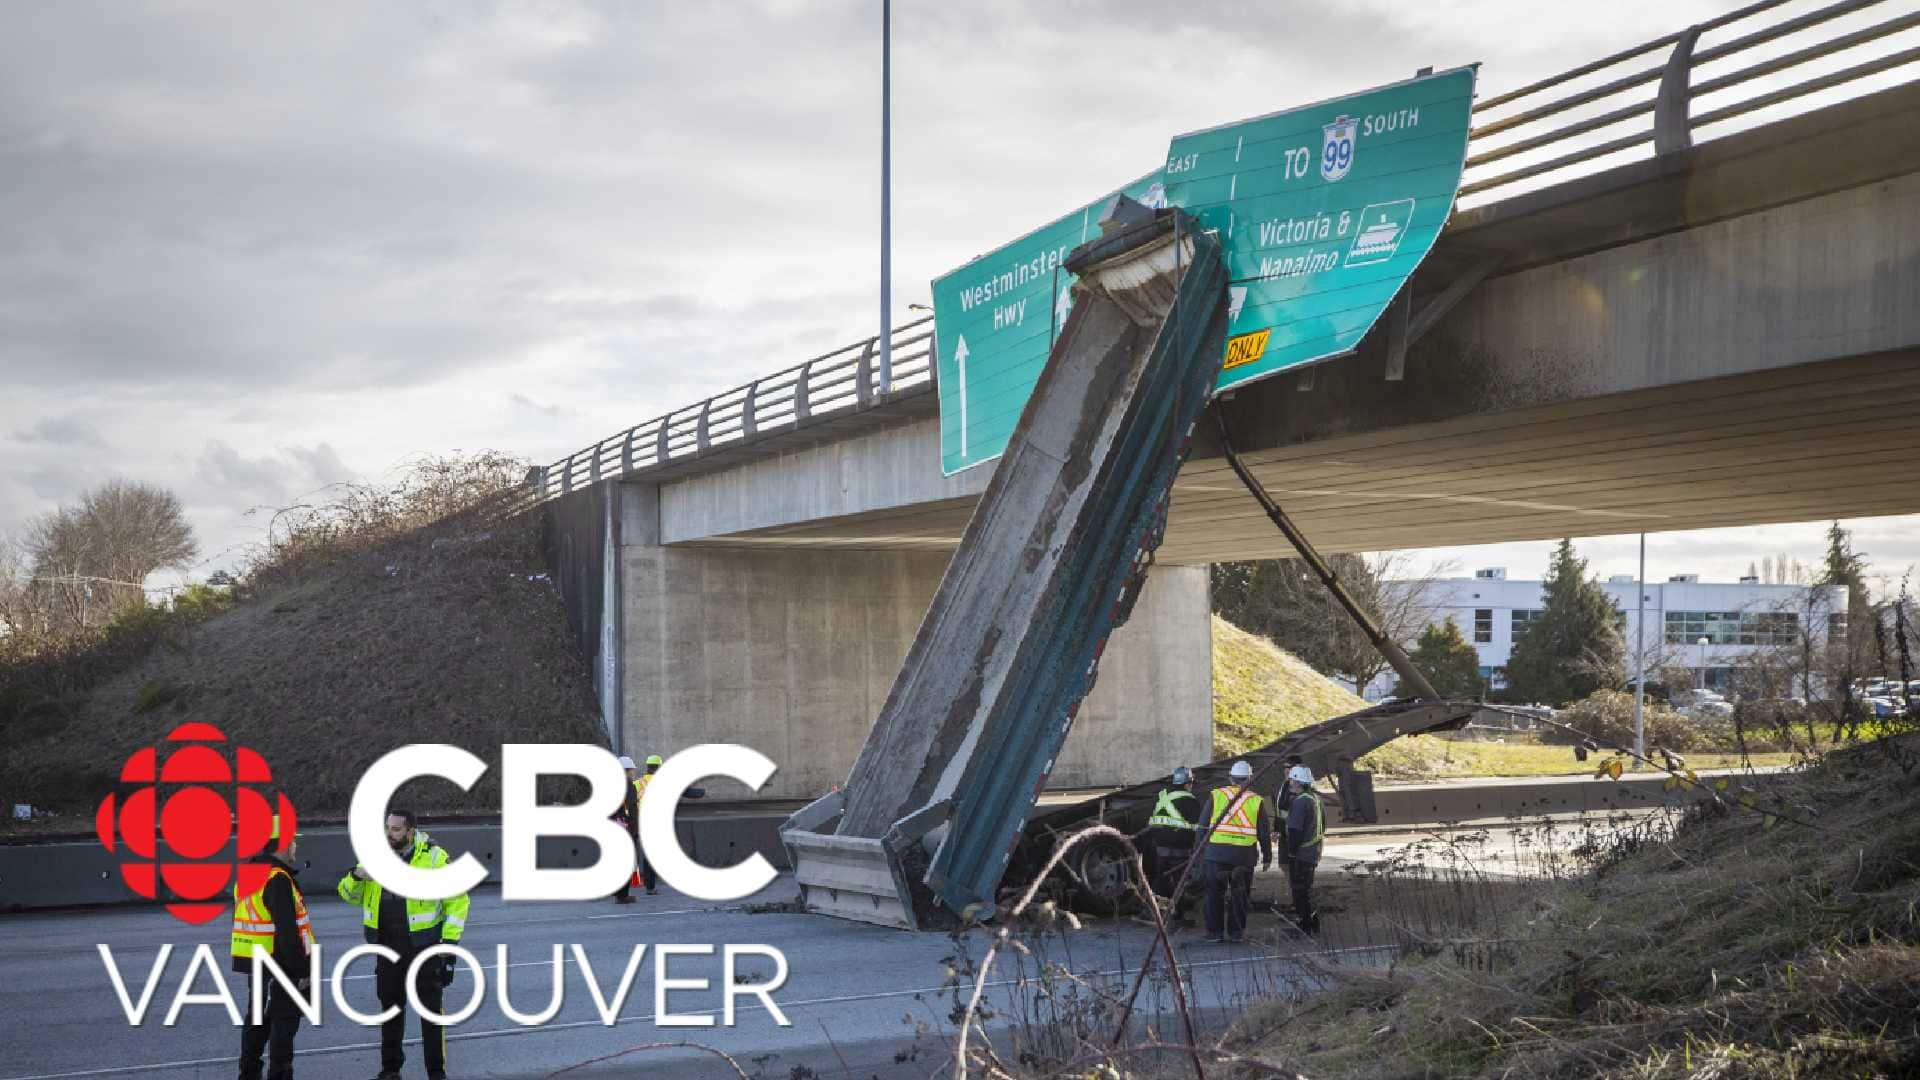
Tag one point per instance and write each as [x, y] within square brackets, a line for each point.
[1324, 212]
[994, 320]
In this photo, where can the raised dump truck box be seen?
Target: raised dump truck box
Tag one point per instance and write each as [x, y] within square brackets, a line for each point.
[1051, 561]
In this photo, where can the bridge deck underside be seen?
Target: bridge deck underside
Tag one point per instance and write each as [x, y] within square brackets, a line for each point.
[1839, 438]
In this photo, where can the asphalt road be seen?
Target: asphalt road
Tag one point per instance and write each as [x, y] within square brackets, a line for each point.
[862, 1001]
[859, 998]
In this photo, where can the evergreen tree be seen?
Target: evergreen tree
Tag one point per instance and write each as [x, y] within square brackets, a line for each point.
[1449, 663]
[1574, 646]
[1282, 601]
[1859, 653]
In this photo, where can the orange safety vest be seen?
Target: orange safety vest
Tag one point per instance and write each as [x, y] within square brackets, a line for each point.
[1238, 824]
[253, 923]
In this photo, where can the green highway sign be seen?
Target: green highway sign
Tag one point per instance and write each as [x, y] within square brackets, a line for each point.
[1324, 213]
[994, 321]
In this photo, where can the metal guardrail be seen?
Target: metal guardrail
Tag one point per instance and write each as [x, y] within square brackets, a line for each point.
[1598, 114]
[842, 381]
[1581, 121]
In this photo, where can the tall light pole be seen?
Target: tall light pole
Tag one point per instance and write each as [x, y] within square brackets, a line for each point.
[1640, 659]
[1703, 663]
[886, 196]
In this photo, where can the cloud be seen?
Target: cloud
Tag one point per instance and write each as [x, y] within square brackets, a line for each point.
[524, 402]
[1892, 545]
[69, 430]
[227, 476]
[245, 235]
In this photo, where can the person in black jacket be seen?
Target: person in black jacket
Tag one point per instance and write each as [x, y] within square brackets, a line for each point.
[1306, 832]
[274, 920]
[629, 816]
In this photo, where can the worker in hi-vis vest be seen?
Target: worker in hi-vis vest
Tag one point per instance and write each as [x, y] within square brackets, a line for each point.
[643, 872]
[630, 814]
[1176, 814]
[408, 926]
[273, 919]
[1239, 820]
[1306, 828]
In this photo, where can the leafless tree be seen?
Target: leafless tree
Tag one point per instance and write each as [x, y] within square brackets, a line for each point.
[1282, 600]
[1788, 689]
[15, 609]
[94, 556]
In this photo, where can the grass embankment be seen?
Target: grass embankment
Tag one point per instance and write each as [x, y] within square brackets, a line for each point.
[372, 635]
[1261, 692]
[1733, 949]
[1463, 757]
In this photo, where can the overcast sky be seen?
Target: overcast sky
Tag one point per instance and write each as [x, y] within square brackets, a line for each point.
[247, 250]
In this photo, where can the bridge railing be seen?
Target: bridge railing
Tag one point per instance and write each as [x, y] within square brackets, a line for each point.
[844, 380]
[1757, 64]
[1753, 65]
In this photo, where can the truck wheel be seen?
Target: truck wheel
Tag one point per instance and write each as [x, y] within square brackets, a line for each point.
[1105, 869]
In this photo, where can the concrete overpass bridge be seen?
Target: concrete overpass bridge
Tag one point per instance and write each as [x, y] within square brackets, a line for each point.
[1723, 332]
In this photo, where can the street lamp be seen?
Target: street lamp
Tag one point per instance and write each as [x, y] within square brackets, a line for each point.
[1640, 656]
[1703, 663]
[886, 196]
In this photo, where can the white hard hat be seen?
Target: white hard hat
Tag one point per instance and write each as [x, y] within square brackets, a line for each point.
[1300, 774]
[1240, 771]
[627, 762]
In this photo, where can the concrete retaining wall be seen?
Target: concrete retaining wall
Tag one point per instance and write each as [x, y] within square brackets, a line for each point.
[578, 534]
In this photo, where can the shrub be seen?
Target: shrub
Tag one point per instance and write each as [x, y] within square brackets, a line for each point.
[155, 693]
[1607, 716]
[201, 601]
[470, 491]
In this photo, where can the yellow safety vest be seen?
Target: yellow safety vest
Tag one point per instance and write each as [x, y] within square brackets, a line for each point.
[423, 916]
[253, 923]
[1166, 812]
[1237, 824]
[640, 790]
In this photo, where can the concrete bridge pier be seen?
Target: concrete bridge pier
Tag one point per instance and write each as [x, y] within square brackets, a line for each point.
[792, 651]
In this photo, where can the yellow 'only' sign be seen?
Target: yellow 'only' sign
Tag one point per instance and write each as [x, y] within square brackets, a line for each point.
[1246, 348]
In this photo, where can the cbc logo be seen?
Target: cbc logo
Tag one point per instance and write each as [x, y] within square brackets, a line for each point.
[188, 824]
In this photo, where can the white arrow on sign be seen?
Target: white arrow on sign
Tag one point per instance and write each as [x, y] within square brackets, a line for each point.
[1236, 298]
[960, 360]
[1063, 304]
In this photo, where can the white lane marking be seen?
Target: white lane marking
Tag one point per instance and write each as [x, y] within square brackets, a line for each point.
[836, 999]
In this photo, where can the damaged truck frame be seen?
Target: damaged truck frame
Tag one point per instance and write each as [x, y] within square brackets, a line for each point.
[937, 820]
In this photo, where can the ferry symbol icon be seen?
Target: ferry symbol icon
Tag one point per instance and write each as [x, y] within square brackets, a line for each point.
[1381, 227]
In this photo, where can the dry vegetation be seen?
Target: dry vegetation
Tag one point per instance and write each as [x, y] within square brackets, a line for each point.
[1772, 933]
[418, 612]
[1730, 949]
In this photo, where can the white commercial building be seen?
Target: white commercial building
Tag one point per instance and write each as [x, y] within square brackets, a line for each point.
[1735, 619]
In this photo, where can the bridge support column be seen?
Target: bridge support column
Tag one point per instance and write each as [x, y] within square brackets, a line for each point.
[792, 651]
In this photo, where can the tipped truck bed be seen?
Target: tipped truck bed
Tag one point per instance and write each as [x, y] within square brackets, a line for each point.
[1051, 562]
